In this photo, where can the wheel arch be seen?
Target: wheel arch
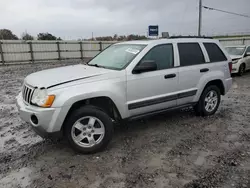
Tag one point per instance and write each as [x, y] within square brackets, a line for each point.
[243, 63]
[204, 84]
[244, 68]
[218, 83]
[104, 103]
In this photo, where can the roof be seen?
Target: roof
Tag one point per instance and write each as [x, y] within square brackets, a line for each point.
[239, 46]
[145, 42]
[200, 37]
[162, 41]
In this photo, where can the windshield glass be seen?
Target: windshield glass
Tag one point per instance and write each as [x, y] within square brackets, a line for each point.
[235, 50]
[117, 56]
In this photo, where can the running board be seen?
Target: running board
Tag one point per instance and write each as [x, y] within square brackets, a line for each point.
[148, 114]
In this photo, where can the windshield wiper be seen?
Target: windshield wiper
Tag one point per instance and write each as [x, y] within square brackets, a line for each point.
[96, 65]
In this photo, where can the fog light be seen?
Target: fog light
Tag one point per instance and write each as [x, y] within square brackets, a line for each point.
[34, 119]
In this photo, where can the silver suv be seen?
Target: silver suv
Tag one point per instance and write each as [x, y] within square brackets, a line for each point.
[126, 81]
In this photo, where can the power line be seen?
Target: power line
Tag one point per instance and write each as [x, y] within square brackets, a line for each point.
[210, 8]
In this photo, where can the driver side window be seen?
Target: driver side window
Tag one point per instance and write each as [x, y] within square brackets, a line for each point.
[162, 55]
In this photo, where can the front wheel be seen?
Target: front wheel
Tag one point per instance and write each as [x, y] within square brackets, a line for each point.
[241, 70]
[89, 129]
[209, 101]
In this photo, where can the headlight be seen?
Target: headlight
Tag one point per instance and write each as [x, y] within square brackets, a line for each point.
[41, 98]
[235, 61]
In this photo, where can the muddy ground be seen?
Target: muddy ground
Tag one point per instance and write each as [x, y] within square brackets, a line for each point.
[176, 149]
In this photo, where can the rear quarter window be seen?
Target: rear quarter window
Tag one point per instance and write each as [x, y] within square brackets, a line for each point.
[214, 52]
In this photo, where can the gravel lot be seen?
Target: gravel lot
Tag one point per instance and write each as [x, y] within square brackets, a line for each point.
[176, 149]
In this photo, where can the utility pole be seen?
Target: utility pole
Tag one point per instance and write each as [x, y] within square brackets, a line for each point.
[200, 17]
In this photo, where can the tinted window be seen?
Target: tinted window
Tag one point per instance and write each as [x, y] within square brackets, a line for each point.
[248, 49]
[190, 54]
[214, 52]
[162, 55]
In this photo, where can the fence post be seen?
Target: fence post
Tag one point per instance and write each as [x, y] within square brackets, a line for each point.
[81, 50]
[100, 43]
[58, 50]
[1, 52]
[31, 52]
[243, 41]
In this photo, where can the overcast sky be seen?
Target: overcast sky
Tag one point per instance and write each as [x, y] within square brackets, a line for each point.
[72, 19]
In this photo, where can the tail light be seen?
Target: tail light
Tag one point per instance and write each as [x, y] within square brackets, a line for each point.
[230, 66]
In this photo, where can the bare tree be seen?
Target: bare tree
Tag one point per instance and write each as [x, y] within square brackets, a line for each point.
[27, 36]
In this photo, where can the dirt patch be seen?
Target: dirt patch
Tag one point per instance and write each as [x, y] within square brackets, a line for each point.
[176, 149]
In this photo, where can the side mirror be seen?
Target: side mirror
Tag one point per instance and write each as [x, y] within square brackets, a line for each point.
[247, 54]
[145, 66]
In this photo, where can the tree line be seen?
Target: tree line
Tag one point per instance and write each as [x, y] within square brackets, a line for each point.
[6, 34]
[120, 38]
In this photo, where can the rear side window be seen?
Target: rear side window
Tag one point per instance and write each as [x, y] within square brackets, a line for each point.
[162, 55]
[214, 52]
[190, 54]
[248, 50]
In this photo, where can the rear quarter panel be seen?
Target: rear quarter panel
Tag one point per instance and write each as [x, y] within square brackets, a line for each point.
[205, 79]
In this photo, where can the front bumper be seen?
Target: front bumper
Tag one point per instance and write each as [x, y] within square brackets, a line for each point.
[47, 118]
[235, 68]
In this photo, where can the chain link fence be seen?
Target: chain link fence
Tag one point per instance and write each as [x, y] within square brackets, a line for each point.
[15, 51]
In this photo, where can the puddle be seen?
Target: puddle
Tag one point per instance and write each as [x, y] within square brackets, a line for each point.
[235, 85]
[20, 178]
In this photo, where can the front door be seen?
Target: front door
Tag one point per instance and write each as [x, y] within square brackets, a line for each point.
[155, 90]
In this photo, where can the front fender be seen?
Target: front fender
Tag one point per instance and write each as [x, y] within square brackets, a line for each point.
[115, 90]
[237, 65]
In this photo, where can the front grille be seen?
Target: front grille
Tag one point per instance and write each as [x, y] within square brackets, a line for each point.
[27, 93]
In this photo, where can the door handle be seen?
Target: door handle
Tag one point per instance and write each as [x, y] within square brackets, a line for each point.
[204, 70]
[169, 76]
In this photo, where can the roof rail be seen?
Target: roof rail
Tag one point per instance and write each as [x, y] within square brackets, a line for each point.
[177, 37]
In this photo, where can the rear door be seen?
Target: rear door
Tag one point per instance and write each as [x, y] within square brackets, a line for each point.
[192, 67]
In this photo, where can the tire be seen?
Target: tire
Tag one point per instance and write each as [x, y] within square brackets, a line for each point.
[241, 70]
[86, 124]
[202, 107]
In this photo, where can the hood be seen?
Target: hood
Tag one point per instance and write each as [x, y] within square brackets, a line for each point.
[57, 76]
[233, 57]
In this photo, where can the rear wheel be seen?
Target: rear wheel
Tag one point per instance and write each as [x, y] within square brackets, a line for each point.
[241, 70]
[89, 129]
[209, 101]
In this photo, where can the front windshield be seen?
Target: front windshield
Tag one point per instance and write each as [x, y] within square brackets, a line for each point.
[235, 50]
[117, 56]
